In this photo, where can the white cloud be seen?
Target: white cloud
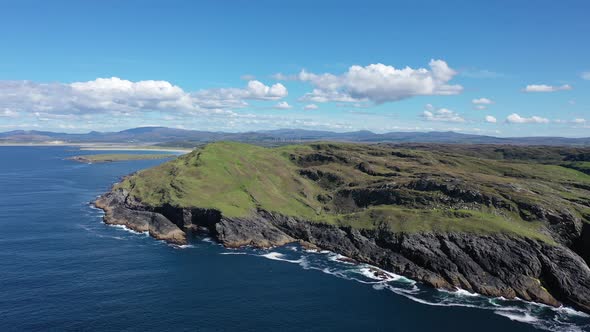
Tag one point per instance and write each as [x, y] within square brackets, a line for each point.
[115, 95]
[491, 119]
[546, 88]
[586, 75]
[115, 87]
[257, 90]
[482, 101]
[310, 107]
[441, 114]
[323, 96]
[579, 121]
[236, 98]
[8, 113]
[515, 118]
[379, 83]
[283, 105]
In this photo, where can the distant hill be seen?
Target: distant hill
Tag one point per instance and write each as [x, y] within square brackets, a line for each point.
[185, 137]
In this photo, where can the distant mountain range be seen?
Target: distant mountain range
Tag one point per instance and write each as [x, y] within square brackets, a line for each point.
[144, 135]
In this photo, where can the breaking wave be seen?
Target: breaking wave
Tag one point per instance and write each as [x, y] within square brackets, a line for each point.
[127, 229]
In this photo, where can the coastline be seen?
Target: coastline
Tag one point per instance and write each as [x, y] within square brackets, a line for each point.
[103, 147]
[131, 148]
[450, 261]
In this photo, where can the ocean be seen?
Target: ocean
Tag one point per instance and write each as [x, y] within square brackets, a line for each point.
[62, 269]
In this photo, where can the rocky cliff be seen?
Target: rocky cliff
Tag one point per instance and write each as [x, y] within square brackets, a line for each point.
[493, 265]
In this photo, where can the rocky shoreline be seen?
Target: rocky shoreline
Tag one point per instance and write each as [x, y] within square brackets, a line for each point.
[491, 265]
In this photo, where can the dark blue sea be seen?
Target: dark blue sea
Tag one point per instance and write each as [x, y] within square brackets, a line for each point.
[62, 269]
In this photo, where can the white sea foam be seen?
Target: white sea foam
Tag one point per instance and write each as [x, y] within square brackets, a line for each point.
[92, 207]
[317, 251]
[182, 246]
[127, 229]
[379, 286]
[460, 292]
[519, 317]
[571, 312]
[277, 256]
[377, 274]
[340, 258]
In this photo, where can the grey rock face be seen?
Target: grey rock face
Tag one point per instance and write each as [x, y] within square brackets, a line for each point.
[497, 265]
[117, 212]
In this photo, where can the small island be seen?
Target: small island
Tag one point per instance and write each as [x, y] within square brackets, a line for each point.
[112, 157]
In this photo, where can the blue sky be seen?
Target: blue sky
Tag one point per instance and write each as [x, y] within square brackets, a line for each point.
[504, 68]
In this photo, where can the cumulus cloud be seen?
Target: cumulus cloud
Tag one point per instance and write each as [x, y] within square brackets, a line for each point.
[115, 95]
[257, 90]
[441, 115]
[236, 97]
[546, 88]
[515, 118]
[323, 96]
[310, 107]
[379, 83]
[481, 103]
[115, 87]
[283, 105]
[491, 119]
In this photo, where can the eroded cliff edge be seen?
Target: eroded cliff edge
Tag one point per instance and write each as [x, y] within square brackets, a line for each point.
[516, 235]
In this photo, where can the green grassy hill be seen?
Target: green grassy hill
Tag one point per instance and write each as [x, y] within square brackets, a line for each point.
[368, 186]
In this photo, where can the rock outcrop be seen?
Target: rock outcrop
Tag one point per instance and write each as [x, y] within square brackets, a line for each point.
[118, 212]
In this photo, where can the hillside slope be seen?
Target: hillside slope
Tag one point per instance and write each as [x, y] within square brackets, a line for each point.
[452, 218]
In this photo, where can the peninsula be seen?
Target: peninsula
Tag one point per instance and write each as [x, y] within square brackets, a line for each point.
[112, 157]
[498, 220]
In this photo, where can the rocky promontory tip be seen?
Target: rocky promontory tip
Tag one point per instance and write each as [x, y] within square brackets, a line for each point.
[118, 213]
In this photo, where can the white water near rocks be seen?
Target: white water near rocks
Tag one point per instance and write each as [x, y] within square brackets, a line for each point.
[539, 315]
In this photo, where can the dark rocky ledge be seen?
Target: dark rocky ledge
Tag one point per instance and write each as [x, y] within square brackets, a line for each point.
[492, 265]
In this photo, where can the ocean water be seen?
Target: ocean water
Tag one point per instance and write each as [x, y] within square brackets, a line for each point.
[62, 269]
